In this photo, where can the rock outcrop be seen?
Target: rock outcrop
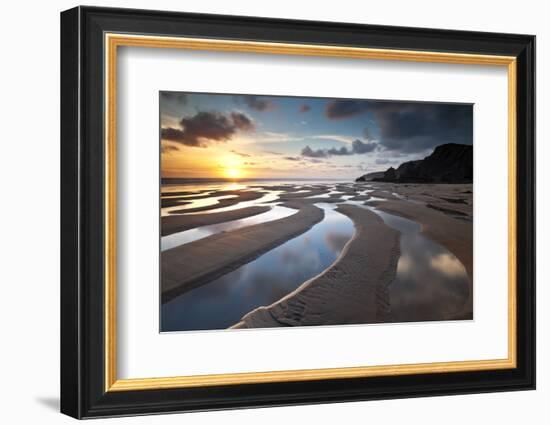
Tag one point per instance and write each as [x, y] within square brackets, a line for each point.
[448, 163]
[370, 176]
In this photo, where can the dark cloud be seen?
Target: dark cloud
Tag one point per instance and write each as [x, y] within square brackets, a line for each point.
[339, 109]
[360, 147]
[292, 158]
[175, 96]
[176, 135]
[204, 126]
[255, 102]
[410, 127]
[273, 152]
[165, 148]
[420, 127]
[357, 148]
[339, 152]
[242, 154]
[310, 153]
[241, 121]
[304, 108]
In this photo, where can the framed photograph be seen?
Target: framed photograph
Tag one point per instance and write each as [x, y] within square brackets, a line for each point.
[261, 212]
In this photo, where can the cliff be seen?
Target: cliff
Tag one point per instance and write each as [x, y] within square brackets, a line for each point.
[448, 163]
[370, 176]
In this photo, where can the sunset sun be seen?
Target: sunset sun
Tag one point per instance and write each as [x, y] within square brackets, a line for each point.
[233, 173]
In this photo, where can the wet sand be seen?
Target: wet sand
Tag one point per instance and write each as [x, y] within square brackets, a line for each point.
[311, 192]
[454, 234]
[178, 223]
[196, 263]
[169, 200]
[354, 290]
[185, 192]
[455, 200]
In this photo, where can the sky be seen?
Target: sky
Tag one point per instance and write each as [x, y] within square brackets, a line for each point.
[248, 136]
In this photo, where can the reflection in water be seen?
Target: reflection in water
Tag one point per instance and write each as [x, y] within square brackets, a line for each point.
[180, 238]
[195, 203]
[431, 283]
[222, 302]
[270, 196]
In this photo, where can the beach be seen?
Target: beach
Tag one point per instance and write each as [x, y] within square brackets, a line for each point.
[356, 272]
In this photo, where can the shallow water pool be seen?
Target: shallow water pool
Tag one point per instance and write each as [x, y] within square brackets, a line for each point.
[224, 301]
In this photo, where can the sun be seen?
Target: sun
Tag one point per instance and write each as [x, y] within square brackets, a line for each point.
[233, 173]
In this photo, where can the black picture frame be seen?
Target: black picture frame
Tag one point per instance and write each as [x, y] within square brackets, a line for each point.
[83, 392]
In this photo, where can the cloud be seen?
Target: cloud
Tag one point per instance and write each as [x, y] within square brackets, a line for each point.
[304, 108]
[175, 96]
[273, 152]
[273, 137]
[241, 154]
[292, 158]
[357, 148]
[360, 147]
[255, 102]
[241, 121]
[336, 137]
[310, 153]
[420, 127]
[410, 127]
[339, 109]
[339, 152]
[166, 148]
[207, 126]
[176, 135]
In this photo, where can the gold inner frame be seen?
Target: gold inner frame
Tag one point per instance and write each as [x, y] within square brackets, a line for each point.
[113, 41]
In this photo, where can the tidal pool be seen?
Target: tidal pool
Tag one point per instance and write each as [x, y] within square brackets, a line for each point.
[191, 235]
[224, 301]
[431, 283]
[268, 197]
[195, 203]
